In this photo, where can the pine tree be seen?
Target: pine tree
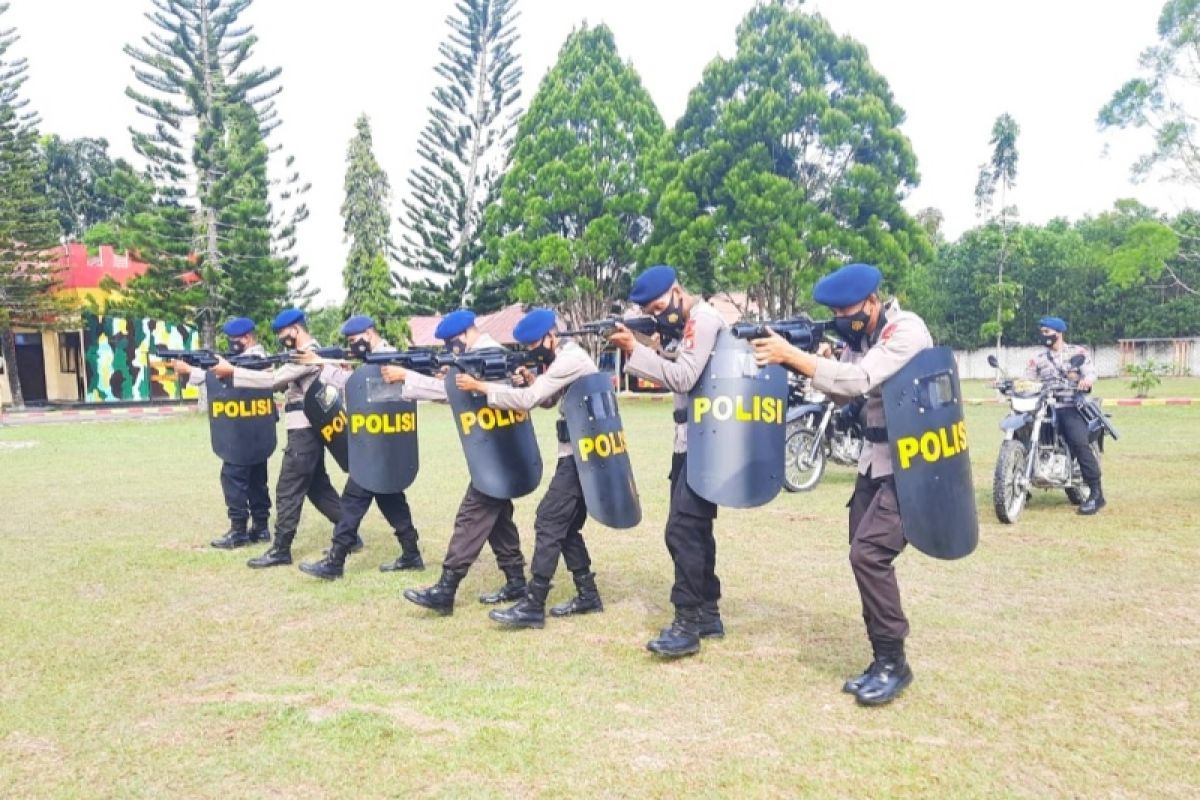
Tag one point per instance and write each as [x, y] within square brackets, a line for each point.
[464, 149]
[367, 225]
[574, 203]
[195, 81]
[29, 228]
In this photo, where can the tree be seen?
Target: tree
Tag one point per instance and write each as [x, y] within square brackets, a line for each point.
[367, 226]
[1000, 172]
[28, 229]
[77, 172]
[464, 148]
[197, 90]
[574, 204]
[791, 162]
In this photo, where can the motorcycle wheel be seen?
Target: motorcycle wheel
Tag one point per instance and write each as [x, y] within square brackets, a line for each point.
[801, 472]
[1007, 498]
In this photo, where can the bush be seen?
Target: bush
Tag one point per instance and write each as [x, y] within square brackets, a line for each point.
[1145, 377]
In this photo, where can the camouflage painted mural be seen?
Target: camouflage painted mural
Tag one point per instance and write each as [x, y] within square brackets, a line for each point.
[116, 356]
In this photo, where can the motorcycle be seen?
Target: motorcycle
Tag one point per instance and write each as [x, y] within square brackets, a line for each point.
[1034, 453]
[815, 437]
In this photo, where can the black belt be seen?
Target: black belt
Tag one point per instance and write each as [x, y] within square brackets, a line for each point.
[680, 416]
[875, 435]
[297, 406]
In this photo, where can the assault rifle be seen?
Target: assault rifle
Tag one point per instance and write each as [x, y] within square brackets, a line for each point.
[802, 332]
[423, 361]
[489, 364]
[207, 359]
[645, 325]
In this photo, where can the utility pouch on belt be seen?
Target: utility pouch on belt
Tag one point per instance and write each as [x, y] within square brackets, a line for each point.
[680, 416]
[560, 429]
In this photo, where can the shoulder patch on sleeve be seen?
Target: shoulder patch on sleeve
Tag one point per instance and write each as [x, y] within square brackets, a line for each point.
[887, 332]
[1032, 362]
[689, 334]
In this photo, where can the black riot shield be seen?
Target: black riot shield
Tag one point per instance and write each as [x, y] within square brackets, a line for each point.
[598, 444]
[927, 436]
[500, 446]
[383, 432]
[327, 414]
[735, 432]
[241, 422]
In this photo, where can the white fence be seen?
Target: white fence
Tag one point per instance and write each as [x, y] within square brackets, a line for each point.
[1179, 356]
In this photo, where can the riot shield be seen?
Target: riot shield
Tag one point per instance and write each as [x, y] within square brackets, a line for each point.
[500, 446]
[598, 445]
[735, 434]
[382, 442]
[326, 413]
[927, 437]
[241, 422]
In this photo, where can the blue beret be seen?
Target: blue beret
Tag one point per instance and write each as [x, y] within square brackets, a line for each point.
[292, 316]
[454, 323]
[357, 324]
[1053, 323]
[238, 326]
[847, 286]
[652, 284]
[534, 325]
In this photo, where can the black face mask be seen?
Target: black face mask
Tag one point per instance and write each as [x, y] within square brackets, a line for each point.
[1050, 340]
[543, 354]
[853, 327]
[360, 347]
[670, 321]
[237, 347]
[456, 345]
[287, 342]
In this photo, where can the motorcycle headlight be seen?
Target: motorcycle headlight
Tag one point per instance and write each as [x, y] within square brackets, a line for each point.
[816, 397]
[1025, 404]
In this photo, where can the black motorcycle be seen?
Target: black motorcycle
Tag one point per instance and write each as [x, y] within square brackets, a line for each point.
[1034, 453]
[817, 432]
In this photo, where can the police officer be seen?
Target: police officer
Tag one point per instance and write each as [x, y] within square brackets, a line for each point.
[685, 319]
[302, 473]
[362, 337]
[480, 518]
[1053, 366]
[244, 486]
[881, 339]
[562, 510]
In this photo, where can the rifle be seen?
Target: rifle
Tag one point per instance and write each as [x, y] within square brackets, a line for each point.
[489, 364]
[423, 361]
[802, 332]
[207, 359]
[645, 325]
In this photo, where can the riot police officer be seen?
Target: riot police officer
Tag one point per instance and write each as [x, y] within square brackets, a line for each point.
[480, 518]
[247, 498]
[881, 339]
[694, 324]
[362, 338]
[302, 473]
[562, 510]
[1053, 366]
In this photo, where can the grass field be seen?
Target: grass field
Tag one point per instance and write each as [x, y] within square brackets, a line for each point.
[1057, 661]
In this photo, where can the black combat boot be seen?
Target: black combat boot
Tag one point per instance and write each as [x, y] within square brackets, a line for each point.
[1095, 500]
[410, 556]
[331, 567]
[440, 596]
[259, 531]
[682, 638]
[530, 610]
[887, 677]
[587, 601]
[234, 538]
[279, 555]
[852, 685]
[514, 589]
[711, 626]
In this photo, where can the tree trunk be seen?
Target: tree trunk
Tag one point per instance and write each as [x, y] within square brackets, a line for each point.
[8, 343]
[466, 232]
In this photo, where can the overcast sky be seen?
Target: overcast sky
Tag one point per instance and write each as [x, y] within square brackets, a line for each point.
[953, 65]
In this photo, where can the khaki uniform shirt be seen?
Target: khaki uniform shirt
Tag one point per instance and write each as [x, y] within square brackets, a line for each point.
[571, 362]
[1054, 367]
[901, 336]
[291, 379]
[428, 387]
[197, 377]
[699, 338]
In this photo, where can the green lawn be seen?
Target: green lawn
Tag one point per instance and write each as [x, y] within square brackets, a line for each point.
[1057, 661]
[1106, 387]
